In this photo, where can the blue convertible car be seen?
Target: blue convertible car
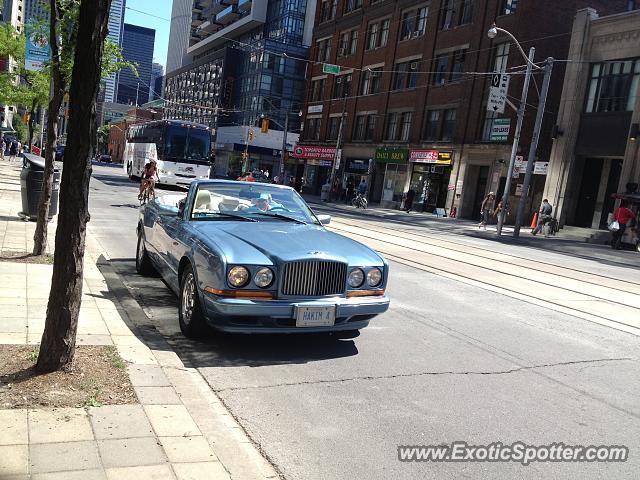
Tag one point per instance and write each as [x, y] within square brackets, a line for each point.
[251, 257]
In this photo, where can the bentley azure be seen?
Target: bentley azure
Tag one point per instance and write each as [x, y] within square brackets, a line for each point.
[254, 258]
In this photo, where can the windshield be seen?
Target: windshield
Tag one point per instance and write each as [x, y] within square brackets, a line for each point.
[258, 201]
[190, 145]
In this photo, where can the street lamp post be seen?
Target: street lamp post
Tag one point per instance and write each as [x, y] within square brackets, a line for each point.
[337, 157]
[492, 33]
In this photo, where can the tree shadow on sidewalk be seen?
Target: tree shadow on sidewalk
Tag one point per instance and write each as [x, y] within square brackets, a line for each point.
[152, 314]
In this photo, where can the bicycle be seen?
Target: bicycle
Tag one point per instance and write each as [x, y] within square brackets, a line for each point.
[360, 201]
[149, 192]
[550, 228]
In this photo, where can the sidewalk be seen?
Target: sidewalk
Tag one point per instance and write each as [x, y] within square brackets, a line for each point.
[179, 430]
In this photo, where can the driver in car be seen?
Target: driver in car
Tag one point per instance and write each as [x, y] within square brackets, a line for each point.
[263, 203]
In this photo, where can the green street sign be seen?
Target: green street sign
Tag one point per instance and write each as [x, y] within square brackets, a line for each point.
[328, 68]
[391, 155]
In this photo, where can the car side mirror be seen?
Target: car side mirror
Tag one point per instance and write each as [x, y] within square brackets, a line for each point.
[181, 205]
[324, 219]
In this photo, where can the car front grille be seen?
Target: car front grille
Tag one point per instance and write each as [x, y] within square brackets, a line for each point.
[314, 278]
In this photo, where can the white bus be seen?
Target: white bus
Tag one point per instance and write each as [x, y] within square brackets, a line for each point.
[181, 149]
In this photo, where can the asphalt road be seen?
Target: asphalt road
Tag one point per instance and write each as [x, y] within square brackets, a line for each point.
[455, 358]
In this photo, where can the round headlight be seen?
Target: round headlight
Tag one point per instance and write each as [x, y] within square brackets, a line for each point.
[263, 277]
[356, 278]
[374, 277]
[238, 277]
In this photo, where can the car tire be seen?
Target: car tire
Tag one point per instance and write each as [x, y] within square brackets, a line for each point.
[190, 316]
[130, 172]
[143, 262]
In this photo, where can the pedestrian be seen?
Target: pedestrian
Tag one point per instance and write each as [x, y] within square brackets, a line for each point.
[408, 199]
[544, 216]
[486, 209]
[1, 146]
[362, 188]
[350, 189]
[624, 217]
[13, 150]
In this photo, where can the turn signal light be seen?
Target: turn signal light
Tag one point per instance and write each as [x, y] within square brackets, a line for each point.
[366, 293]
[247, 295]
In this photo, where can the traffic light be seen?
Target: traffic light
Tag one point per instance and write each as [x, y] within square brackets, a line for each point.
[245, 155]
[252, 135]
[264, 125]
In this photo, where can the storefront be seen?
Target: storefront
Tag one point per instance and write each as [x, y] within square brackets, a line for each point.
[430, 173]
[318, 161]
[355, 170]
[389, 176]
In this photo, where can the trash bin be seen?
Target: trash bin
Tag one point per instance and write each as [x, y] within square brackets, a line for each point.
[31, 179]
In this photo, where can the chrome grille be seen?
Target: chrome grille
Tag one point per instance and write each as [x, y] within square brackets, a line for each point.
[314, 278]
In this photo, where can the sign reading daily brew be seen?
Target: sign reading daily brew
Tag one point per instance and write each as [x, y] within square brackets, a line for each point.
[431, 156]
[314, 152]
[391, 155]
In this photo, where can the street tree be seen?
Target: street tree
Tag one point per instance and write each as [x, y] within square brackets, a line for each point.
[63, 24]
[59, 338]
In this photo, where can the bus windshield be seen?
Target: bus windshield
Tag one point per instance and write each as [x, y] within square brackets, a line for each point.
[187, 144]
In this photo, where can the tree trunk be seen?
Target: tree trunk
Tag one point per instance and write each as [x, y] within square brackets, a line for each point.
[55, 102]
[59, 338]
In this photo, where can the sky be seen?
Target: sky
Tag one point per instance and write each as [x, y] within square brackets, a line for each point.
[157, 16]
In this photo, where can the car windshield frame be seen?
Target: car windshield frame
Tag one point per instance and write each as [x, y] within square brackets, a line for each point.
[241, 199]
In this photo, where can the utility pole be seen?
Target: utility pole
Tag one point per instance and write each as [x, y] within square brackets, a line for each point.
[516, 140]
[337, 156]
[283, 156]
[245, 155]
[534, 145]
[137, 90]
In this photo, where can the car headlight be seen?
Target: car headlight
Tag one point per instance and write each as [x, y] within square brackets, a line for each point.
[356, 278]
[263, 277]
[374, 277]
[238, 277]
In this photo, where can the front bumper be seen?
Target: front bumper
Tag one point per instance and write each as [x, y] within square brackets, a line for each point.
[278, 316]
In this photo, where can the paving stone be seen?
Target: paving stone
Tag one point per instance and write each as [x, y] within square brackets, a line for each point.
[14, 460]
[198, 471]
[85, 339]
[138, 354]
[60, 457]
[171, 420]
[128, 339]
[157, 396]
[131, 452]
[13, 427]
[120, 421]
[147, 376]
[155, 472]
[187, 449]
[75, 475]
[59, 425]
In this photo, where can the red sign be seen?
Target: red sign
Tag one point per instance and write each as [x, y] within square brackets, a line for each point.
[35, 150]
[423, 156]
[314, 152]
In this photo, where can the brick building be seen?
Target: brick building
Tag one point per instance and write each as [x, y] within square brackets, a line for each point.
[414, 106]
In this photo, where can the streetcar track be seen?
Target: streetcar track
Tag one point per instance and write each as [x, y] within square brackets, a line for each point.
[557, 273]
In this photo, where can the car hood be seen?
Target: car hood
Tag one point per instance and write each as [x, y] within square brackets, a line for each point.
[245, 242]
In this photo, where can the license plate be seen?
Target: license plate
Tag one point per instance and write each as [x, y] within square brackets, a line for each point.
[315, 316]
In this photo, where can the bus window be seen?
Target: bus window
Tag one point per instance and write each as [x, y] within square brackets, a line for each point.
[199, 145]
[176, 142]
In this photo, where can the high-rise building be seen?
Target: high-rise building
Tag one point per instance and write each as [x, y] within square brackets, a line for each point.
[248, 62]
[36, 9]
[157, 72]
[116, 25]
[137, 47]
[181, 22]
[13, 13]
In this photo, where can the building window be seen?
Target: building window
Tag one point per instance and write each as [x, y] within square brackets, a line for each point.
[458, 65]
[328, 10]
[405, 76]
[466, 12]
[449, 125]
[446, 21]
[378, 34]
[501, 57]
[317, 90]
[632, 5]
[414, 23]
[342, 85]
[334, 128]
[456, 13]
[391, 132]
[323, 50]
[431, 125]
[312, 129]
[371, 81]
[405, 126]
[351, 5]
[508, 7]
[353, 42]
[365, 126]
[613, 86]
[441, 69]
[372, 36]
[348, 43]
[384, 32]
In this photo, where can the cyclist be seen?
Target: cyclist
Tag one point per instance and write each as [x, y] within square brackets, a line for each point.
[545, 216]
[149, 177]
